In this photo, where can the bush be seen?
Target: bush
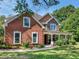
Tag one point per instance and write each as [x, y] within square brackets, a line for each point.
[59, 42]
[31, 46]
[4, 46]
[72, 41]
[36, 45]
[41, 46]
[26, 45]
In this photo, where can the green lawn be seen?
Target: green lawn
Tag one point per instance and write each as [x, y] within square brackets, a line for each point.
[64, 52]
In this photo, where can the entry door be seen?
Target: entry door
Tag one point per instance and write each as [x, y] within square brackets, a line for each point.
[47, 39]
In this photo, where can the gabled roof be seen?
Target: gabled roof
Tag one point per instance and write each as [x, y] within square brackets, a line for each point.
[11, 18]
[45, 18]
[8, 19]
[52, 17]
[45, 21]
[38, 18]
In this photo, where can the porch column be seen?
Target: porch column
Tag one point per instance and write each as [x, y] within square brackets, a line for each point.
[65, 39]
[46, 27]
[59, 36]
[52, 43]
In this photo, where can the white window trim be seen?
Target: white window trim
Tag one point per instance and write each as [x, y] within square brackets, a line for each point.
[29, 22]
[53, 24]
[36, 39]
[14, 37]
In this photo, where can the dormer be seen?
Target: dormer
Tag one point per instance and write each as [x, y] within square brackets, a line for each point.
[50, 23]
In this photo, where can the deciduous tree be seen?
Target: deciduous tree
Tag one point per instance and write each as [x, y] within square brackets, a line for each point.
[22, 5]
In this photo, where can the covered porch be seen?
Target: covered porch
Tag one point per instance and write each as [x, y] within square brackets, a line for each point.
[51, 37]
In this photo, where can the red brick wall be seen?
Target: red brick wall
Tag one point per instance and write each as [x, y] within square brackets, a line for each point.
[17, 25]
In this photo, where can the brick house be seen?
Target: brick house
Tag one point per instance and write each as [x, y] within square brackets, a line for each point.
[35, 29]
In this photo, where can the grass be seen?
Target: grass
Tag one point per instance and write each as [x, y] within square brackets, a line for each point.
[63, 52]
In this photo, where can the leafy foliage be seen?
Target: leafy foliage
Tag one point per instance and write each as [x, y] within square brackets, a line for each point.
[72, 24]
[68, 41]
[59, 42]
[36, 2]
[64, 12]
[22, 5]
[69, 19]
[51, 2]
[72, 41]
[1, 28]
[5, 46]
[26, 45]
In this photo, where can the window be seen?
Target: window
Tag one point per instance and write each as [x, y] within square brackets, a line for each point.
[26, 22]
[53, 27]
[17, 37]
[34, 37]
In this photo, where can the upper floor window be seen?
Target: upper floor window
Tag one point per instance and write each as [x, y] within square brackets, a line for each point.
[53, 26]
[26, 22]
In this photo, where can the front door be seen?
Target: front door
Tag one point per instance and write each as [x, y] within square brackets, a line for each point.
[47, 39]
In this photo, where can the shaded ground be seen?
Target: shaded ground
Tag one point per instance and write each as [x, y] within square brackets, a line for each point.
[64, 52]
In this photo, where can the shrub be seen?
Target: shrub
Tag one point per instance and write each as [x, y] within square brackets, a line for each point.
[5, 46]
[26, 45]
[36, 45]
[59, 42]
[16, 46]
[31, 46]
[72, 41]
[41, 46]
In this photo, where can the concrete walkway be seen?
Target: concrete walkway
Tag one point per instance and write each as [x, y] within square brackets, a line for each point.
[25, 50]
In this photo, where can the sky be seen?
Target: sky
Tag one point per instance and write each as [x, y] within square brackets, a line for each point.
[7, 6]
